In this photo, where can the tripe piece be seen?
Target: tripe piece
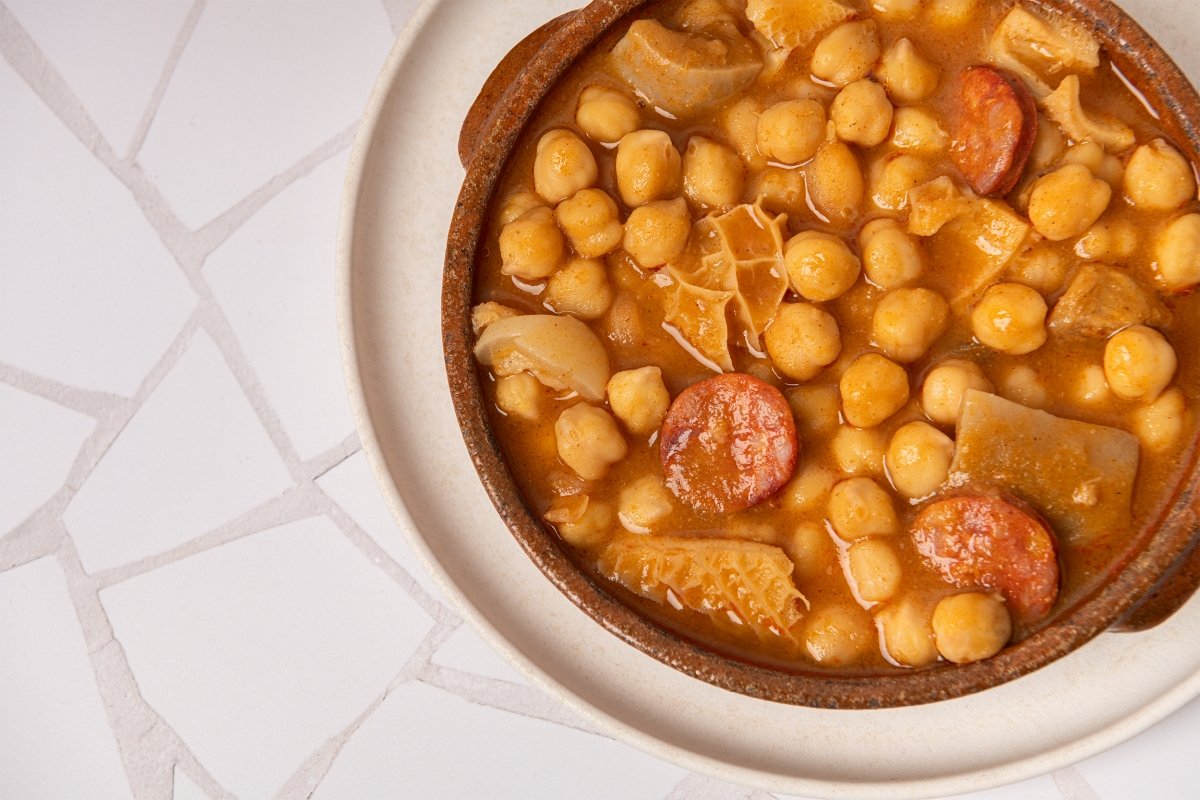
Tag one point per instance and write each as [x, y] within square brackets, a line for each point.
[1079, 476]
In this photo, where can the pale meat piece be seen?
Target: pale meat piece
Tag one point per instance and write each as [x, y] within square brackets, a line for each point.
[1102, 300]
[1040, 50]
[978, 244]
[1077, 475]
[796, 23]
[745, 588]
[738, 257]
[683, 72]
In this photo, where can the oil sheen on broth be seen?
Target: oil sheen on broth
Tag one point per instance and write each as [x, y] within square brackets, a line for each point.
[841, 335]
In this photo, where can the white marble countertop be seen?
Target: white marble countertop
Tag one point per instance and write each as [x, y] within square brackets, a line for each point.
[201, 592]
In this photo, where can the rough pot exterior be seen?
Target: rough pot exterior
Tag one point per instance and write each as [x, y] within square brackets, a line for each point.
[1158, 573]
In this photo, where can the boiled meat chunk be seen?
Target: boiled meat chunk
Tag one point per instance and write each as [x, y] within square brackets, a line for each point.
[1077, 475]
[1102, 300]
[682, 72]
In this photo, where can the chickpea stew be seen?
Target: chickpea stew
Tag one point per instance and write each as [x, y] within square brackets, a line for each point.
[842, 335]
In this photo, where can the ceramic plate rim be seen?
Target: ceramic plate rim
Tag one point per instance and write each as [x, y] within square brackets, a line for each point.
[950, 783]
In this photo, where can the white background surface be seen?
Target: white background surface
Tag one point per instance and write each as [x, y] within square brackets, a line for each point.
[201, 593]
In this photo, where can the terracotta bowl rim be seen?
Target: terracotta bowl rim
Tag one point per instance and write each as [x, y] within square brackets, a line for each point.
[1148, 67]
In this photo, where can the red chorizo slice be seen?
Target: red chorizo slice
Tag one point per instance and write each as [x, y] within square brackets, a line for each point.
[994, 129]
[994, 543]
[728, 443]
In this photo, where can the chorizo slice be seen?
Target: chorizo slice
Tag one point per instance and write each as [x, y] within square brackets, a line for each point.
[728, 443]
[992, 542]
[994, 130]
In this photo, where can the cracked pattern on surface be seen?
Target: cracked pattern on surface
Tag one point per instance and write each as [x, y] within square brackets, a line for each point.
[324, 485]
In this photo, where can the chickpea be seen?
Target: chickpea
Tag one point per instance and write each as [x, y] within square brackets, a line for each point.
[589, 441]
[487, 313]
[1067, 202]
[918, 459]
[820, 266]
[1021, 384]
[816, 408]
[847, 53]
[591, 528]
[862, 113]
[517, 204]
[890, 257]
[647, 167]
[790, 132]
[532, 246]
[1048, 145]
[605, 114]
[1139, 363]
[657, 233]
[951, 13]
[906, 74]
[564, 164]
[917, 131]
[713, 174]
[591, 222]
[858, 451]
[782, 191]
[875, 569]
[835, 182]
[971, 627]
[644, 503]
[1010, 318]
[1112, 242]
[1177, 254]
[907, 633]
[624, 324]
[1160, 424]
[809, 490]
[802, 340]
[860, 507]
[1158, 178]
[838, 635]
[1040, 268]
[893, 177]
[945, 387]
[1103, 165]
[811, 551]
[580, 289]
[520, 396]
[896, 10]
[639, 398]
[908, 321]
[740, 123]
[873, 388]
[1091, 386]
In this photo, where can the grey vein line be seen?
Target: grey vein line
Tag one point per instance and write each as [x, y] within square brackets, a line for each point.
[148, 746]
[31, 64]
[1073, 786]
[297, 503]
[305, 780]
[317, 467]
[164, 79]
[217, 325]
[700, 787]
[85, 401]
[397, 13]
[212, 234]
[37, 535]
[526, 701]
[379, 557]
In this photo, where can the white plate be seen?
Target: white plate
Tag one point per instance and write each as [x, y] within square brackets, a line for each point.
[400, 191]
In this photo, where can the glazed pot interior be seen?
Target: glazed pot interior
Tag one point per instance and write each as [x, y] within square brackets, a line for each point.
[489, 138]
